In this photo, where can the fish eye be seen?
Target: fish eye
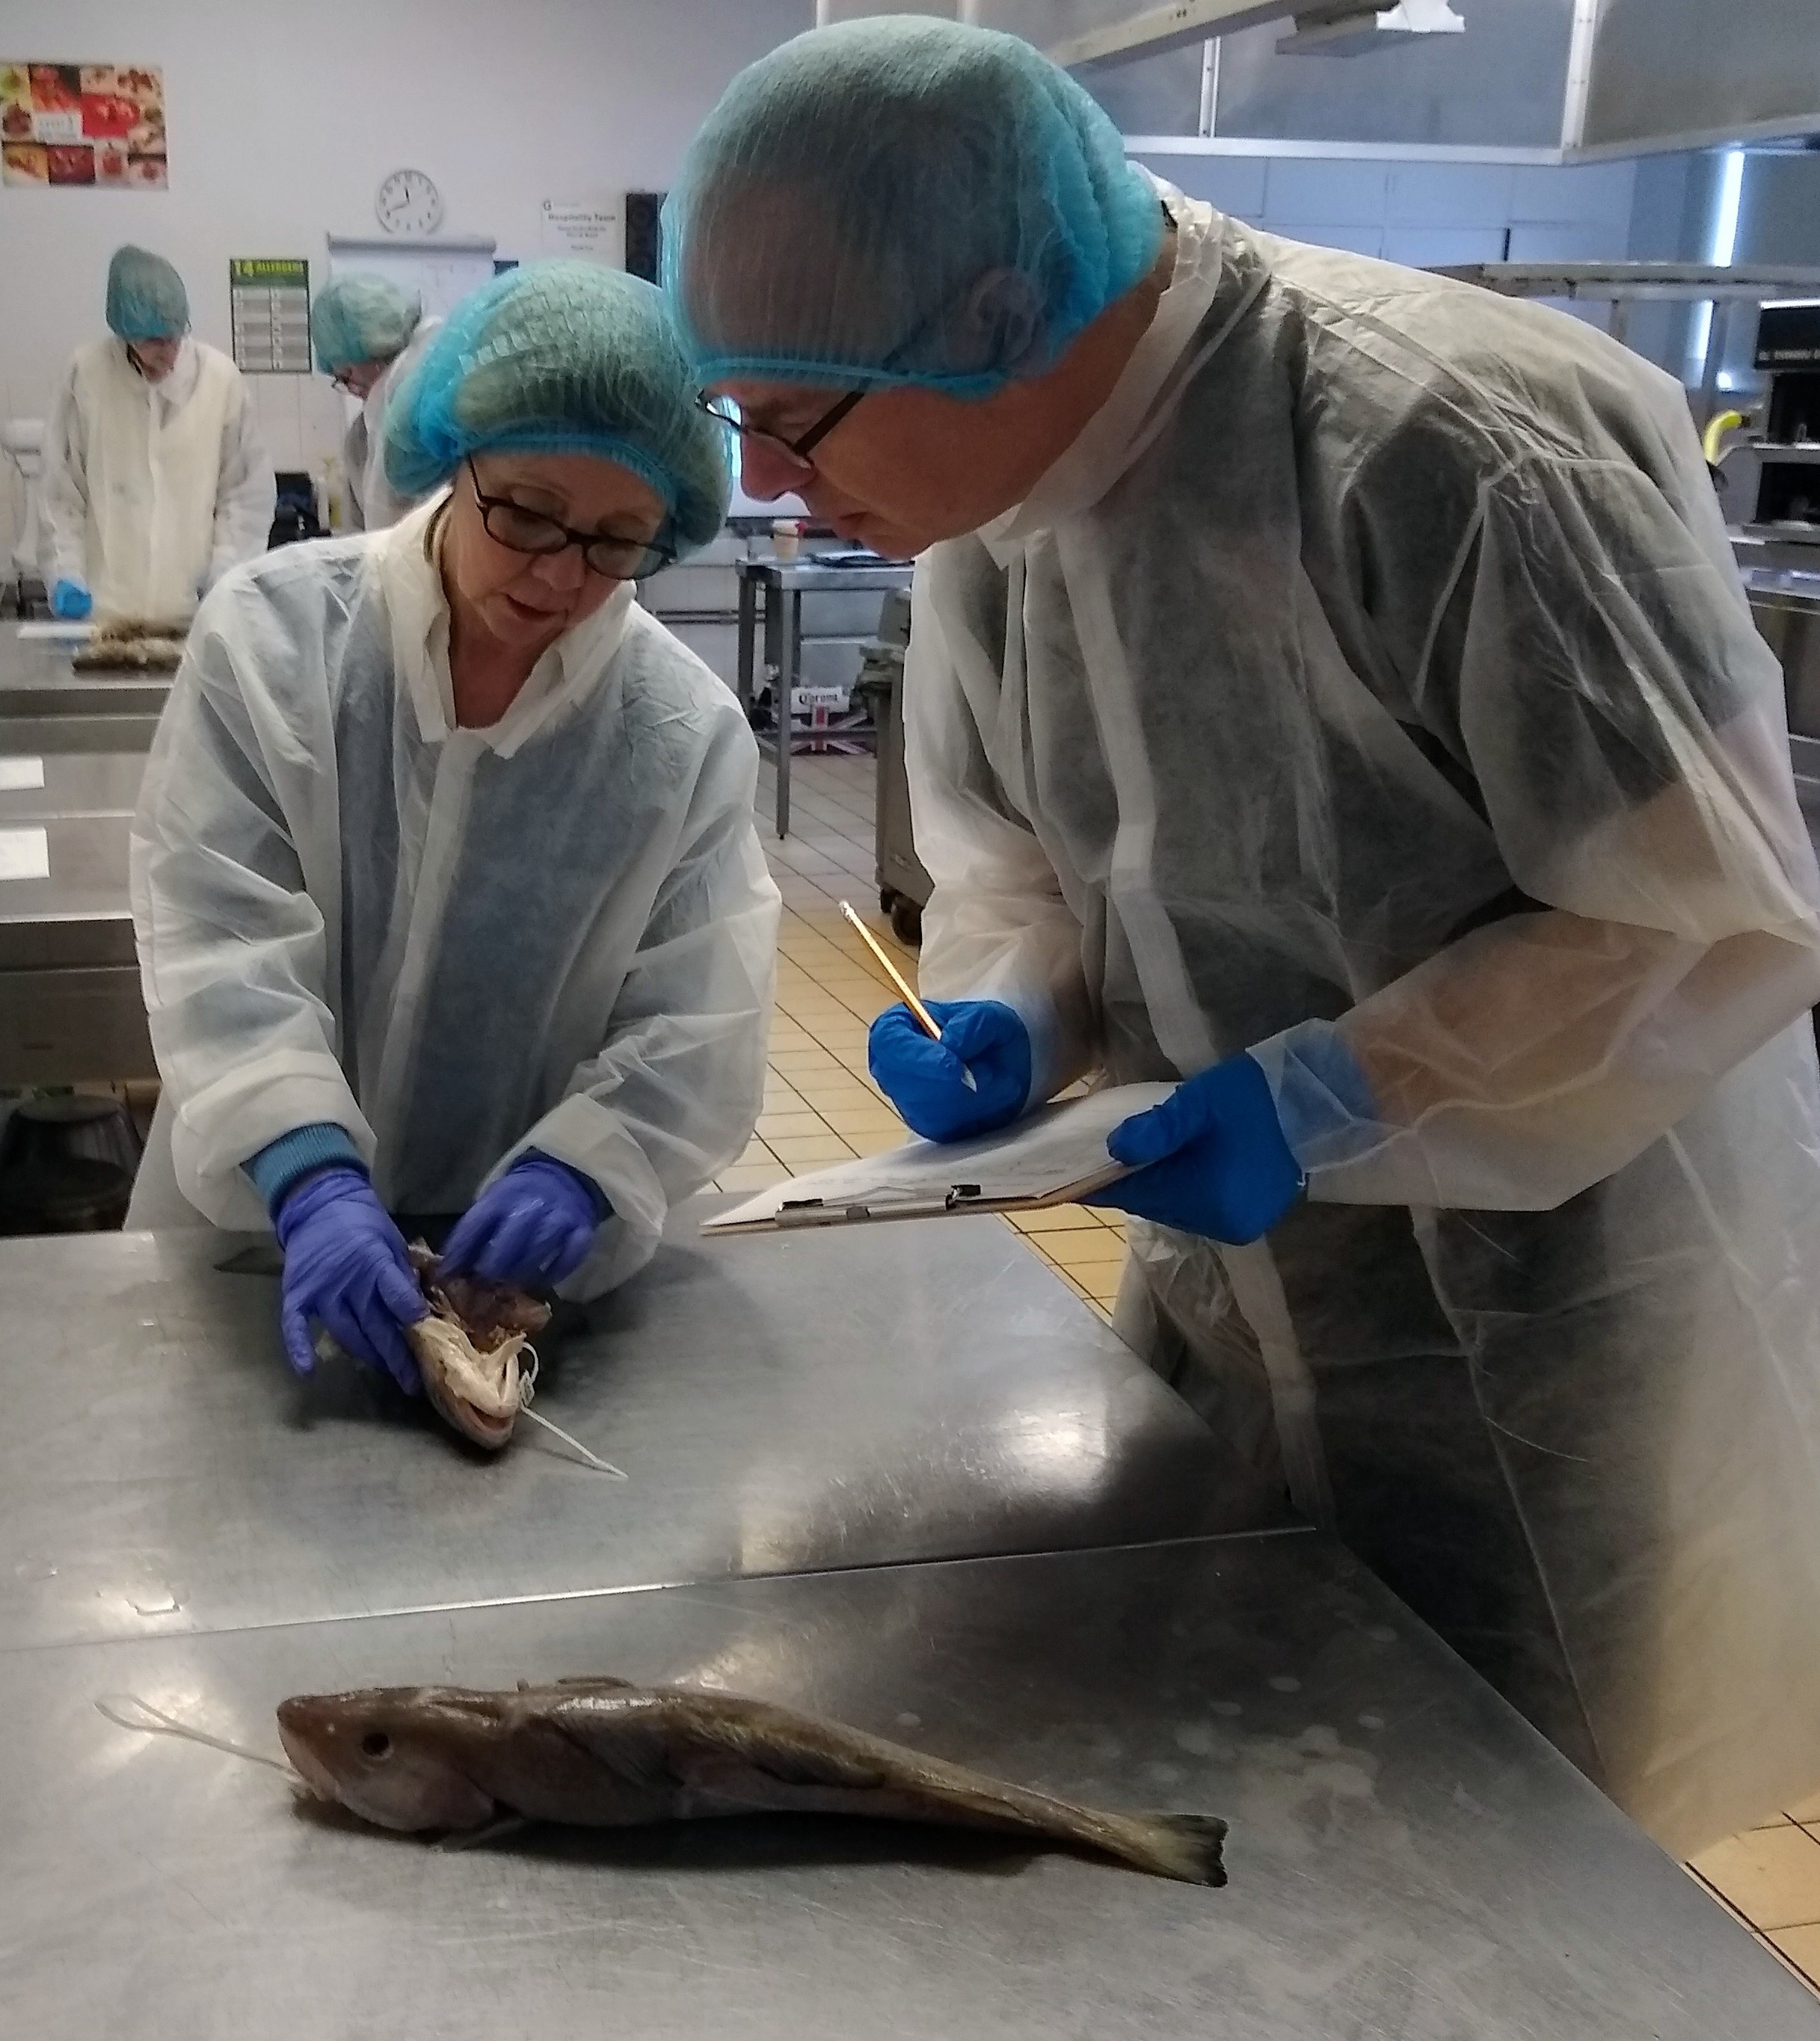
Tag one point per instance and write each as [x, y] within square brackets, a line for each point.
[376, 1743]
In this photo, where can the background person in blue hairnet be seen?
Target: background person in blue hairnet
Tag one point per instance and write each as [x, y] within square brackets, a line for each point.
[1330, 687]
[368, 335]
[155, 481]
[447, 891]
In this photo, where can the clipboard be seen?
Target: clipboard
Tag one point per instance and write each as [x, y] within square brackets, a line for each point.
[1051, 1157]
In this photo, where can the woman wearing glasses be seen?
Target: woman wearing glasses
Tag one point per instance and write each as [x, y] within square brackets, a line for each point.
[448, 894]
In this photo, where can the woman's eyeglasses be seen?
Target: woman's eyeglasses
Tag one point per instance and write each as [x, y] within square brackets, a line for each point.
[523, 531]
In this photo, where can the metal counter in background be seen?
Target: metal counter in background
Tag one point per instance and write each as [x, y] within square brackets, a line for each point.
[72, 753]
[37, 680]
[777, 1404]
[779, 587]
[1406, 1857]
[1785, 602]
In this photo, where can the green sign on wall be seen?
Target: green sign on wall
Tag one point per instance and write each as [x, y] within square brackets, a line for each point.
[270, 295]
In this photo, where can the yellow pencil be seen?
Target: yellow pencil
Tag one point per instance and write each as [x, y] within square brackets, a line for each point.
[927, 1020]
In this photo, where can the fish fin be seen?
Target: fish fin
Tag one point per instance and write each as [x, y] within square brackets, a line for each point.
[599, 1683]
[489, 1832]
[1186, 1846]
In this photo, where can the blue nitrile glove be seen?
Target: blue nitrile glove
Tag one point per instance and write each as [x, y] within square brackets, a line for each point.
[927, 1081]
[346, 1263]
[1210, 1159]
[532, 1227]
[70, 600]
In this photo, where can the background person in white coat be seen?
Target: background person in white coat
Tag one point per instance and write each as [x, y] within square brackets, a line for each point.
[447, 889]
[1331, 686]
[368, 335]
[155, 481]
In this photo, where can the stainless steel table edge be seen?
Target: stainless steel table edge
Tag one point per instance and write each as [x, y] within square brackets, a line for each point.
[681, 1584]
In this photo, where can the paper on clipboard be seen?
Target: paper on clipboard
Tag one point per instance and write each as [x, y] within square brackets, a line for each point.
[1051, 1156]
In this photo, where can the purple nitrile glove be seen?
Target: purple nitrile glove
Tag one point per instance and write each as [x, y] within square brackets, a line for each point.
[346, 1264]
[532, 1227]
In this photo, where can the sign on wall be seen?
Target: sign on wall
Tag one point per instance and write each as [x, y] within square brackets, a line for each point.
[270, 296]
[70, 124]
[586, 229]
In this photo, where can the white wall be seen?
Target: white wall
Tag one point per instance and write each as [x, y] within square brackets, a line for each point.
[284, 119]
[1425, 214]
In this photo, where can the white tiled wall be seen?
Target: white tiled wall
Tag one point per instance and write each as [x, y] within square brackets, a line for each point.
[1424, 214]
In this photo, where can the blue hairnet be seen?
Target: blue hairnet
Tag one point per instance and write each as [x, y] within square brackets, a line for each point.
[563, 357]
[360, 319]
[901, 200]
[146, 297]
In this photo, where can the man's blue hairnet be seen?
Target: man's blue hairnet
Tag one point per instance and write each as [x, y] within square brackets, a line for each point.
[901, 200]
[360, 319]
[146, 297]
[563, 357]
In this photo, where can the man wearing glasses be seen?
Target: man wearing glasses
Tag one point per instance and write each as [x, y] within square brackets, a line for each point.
[1330, 688]
[368, 335]
[155, 483]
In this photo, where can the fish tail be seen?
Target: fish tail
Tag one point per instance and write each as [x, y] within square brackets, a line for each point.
[1187, 1847]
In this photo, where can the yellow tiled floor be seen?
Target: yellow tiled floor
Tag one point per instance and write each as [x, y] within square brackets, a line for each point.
[820, 1105]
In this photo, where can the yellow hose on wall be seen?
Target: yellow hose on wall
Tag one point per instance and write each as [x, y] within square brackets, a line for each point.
[1710, 441]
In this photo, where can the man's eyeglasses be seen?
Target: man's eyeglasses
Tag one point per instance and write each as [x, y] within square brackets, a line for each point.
[794, 453]
[523, 531]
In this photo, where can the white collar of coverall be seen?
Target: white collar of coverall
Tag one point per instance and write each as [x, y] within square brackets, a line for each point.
[173, 391]
[1144, 394]
[565, 676]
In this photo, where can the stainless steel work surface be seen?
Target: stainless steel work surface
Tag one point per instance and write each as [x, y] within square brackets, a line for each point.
[780, 1404]
[1407, 1858]
[37, 679]
[35, 785]
[69, 908]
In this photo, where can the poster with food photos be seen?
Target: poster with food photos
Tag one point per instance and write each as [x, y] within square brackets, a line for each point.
[82, 124]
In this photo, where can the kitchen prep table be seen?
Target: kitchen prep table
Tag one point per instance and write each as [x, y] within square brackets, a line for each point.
[1407, 1858]
[778, 1405]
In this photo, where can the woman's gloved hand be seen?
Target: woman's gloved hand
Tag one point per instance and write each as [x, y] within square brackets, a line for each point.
[532, 1227]
[927, 1081]
[1210, 1159]
[346, 1266]
[70, 600]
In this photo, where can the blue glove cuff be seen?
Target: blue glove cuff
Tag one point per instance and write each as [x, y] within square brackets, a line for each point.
[280, 1165]
[1324, 1102]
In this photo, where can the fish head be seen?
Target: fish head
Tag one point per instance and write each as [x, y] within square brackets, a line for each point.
[392, 1755]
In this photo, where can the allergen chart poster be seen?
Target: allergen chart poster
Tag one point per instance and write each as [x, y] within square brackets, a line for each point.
[82, 124]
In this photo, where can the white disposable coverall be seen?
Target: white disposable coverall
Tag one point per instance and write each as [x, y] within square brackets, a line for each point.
[1373, 669]
[153, 490]
[558, 933]
[372, 501]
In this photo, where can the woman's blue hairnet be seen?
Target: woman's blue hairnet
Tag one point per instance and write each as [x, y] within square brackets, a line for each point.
[563, 357]
[360, 319]
[146, 297]
[901, 200]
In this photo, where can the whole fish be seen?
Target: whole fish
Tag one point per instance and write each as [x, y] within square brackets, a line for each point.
[604, 1754]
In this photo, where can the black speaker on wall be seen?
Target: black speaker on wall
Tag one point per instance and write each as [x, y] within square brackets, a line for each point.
[644, 233]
